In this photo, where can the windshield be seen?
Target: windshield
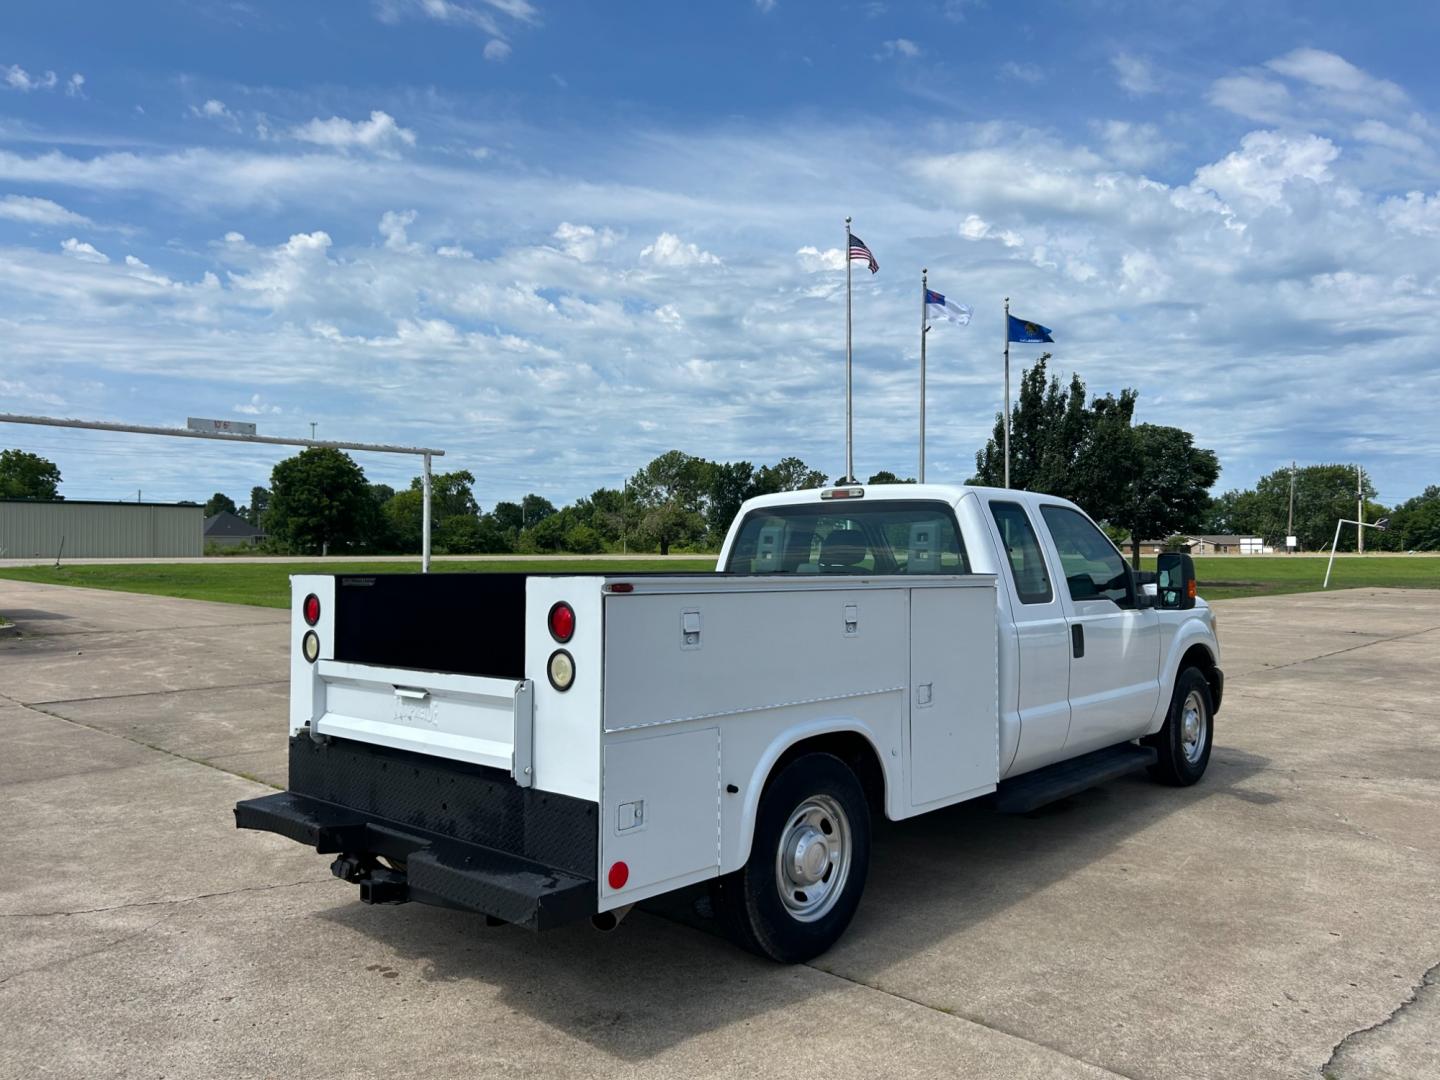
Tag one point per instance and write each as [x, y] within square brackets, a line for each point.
[850, 538]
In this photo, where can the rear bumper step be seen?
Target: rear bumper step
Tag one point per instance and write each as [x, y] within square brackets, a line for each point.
[424, 867]
[1033, 790]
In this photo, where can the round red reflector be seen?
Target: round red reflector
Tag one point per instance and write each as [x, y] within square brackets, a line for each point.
[619, 874]
[562, 622]
[311, 609]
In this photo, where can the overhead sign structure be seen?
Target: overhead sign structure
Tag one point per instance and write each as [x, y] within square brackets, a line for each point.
[223, 427]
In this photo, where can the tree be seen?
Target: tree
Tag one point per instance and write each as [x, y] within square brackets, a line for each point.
[1061, 445]
[259, 503]
[728, 484]
[455, 520]
[1168, 486]
[670, 493]
[219, 503]
[320, 502]
[1323, 495]
[1415, 523]
[885, 476]
[24, 475]
[788, 474]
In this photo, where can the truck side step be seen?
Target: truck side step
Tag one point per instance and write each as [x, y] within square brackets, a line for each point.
[1033, 790]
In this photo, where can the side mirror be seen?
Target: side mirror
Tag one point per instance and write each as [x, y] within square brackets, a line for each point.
[1175, 580]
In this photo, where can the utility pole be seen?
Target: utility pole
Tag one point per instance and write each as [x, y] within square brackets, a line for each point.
[312, 430]
[1290, 521]
[1360, 509]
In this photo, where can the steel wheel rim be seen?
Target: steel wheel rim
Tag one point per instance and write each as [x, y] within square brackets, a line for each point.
[812, 862]
[1194, 727]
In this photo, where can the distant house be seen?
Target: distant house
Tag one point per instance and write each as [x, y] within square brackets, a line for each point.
[1226, 545]
[229, 530]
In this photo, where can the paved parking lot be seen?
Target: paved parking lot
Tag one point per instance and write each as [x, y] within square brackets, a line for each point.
[1276, 920]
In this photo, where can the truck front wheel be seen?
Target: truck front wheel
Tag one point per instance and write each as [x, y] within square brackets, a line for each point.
[1183, 745]
[808, 861]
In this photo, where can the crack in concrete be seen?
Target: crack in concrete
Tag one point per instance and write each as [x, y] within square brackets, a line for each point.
[160, 903]
[1337, 652]
[64, 960]
[970, 1019]
[159, 693]
[1342, 1048]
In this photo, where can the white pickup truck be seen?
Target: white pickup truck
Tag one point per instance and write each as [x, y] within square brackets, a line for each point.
[543, 748]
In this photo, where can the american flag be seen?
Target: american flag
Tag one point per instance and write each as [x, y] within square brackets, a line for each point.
[858, 250]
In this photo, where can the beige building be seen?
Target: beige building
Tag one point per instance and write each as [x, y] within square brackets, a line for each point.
[81, 529]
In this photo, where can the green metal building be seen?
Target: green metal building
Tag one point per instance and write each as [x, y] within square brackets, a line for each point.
[99, 529]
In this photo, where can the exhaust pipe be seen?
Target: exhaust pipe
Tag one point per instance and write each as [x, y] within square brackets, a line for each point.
[609, 920]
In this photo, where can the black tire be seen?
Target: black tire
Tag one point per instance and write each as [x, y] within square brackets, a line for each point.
[752, 903]
[1182, 756]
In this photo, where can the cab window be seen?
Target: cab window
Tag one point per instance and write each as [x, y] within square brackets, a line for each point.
[884, 537]
[1022, 549]
[1094, 570]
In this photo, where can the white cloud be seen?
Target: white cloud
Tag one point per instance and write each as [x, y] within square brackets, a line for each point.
[1380, 133]
[765, 6]
[380, 133]
[31, 210]
[1265, 163]
[974, 227]
[213, 109]
[392, 228]
[1134, 74]
[75, 86]
[1328, 71]
[257, 406]
[583, 242]
[496, 49]
[813, 259]
[17, 78]
[79, 249]
[454, 251]
[1022, 72]
[1132, 145]
[901, 47]
[1252, 97]
[1415, 213]
[459, 14]
[669, 250]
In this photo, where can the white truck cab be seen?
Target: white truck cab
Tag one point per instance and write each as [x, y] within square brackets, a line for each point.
[540, 748]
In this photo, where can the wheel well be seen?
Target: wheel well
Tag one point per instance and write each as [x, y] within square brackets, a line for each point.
[850, 747]
[1198, 657]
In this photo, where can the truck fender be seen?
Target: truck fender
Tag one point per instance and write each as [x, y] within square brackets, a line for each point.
[1191, 633]
[737, 841]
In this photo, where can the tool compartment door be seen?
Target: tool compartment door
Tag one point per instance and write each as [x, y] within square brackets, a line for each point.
[954, 745]
[660, 813]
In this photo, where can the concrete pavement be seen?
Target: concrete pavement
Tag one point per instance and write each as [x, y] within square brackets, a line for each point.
[1277, 919]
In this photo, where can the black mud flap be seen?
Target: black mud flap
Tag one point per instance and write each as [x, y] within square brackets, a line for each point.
[449, 834]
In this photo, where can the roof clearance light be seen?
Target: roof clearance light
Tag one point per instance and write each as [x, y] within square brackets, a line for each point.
[561, 670]
[310, 646]
[561, 622]
[843, 493]
[311, 609]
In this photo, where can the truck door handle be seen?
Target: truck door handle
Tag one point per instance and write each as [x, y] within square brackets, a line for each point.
[1077, 640]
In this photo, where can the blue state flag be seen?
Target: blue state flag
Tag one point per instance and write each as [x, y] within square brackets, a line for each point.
[1028, 333]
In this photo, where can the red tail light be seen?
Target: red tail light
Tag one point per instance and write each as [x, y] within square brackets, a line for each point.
[311, 609]
[562, 622]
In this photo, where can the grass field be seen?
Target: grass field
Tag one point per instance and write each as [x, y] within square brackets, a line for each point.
[1221, 576]
[268, 584]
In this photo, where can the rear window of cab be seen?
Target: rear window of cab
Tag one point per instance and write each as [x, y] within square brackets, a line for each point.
[883, 537]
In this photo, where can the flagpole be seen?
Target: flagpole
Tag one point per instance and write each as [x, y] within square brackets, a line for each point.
[849, 445]
[1007, 391]
[923, 328]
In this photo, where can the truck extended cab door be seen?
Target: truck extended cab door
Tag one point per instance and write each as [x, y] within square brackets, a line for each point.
[1114, 646]
[1041, 685]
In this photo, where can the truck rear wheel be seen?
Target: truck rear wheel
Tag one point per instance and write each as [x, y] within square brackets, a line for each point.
[1183, 744]
[808, 861]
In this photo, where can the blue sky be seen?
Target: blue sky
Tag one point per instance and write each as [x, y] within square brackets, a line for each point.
[559, 239]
